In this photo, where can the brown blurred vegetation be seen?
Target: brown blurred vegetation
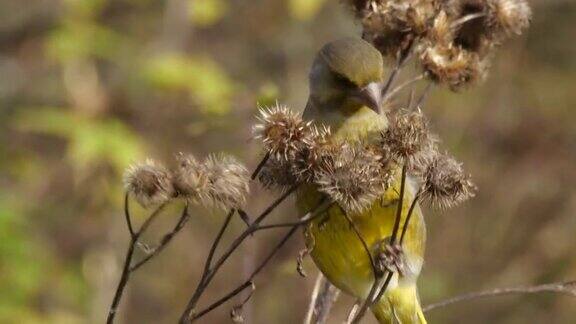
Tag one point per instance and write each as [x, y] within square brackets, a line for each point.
[89, 86]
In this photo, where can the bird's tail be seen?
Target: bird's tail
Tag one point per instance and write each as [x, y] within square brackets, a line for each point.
[399, 305]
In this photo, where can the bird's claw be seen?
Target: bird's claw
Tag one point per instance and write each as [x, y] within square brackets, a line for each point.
[390, 257]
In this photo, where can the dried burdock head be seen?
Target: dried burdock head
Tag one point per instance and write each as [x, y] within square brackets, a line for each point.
[468, 19]
[191, 180]
[393, 25]
[301, 166]
[149, 183]
[445, 183]
[353, 178]
[407, 134]
[413, 15]
[420, 161]
[507, 18]
[277, 174]
[481, 24]
[282, 131]
[453, 66]
[312, 156]
[228, 182]
[441, 31]
[358, 6]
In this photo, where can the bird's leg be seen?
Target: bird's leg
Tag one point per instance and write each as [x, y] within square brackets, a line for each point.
[390, 257]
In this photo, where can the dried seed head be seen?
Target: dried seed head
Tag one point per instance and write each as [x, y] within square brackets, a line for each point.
[353, 178]
[277, 174]
[452, 65]
[228, 182]
[507, 18]
[468, 20]
[420, 161]
[191, 180]
[282, 131]
[407, 134]
[392, 25]
[445, 184]
[301, 166]
[149, 183]
[311, 157]
[358, 6]
[441, 30]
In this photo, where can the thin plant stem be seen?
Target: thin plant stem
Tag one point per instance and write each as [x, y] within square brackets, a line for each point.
[123, 281]
[566, 287]
[409, 215]
[376, 294]
[353, 312]
[367, 302]
[209, 273]
[467, 18]
[127, 215]
[249, 281]
[304, 220]
[328, 294]
[322, 298]
[134, 236]
[364, 244]
[400, 61]
[166, 239]
[400, 205]
[208, 262]
[260, 166]
[424, 95]
[318, 285]
[321, 208]
[404, 85]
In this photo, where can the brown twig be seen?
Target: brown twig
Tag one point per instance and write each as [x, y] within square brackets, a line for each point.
[134, 236]
[353, 311]
[566, 287]
[321, 208]
[249, 281]
[409, 215]
[400, 205]
[403, 56]
[364, 244]
[321, 300]
[375, 293]
[210, 271]
[424, 95]
[166, 239]
[403, 85]
[260, 166]
[127, 216]
[366, 303]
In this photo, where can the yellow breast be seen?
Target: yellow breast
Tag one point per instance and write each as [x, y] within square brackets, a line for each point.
[334, 244]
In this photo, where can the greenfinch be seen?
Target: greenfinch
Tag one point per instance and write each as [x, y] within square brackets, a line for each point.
[345, 95]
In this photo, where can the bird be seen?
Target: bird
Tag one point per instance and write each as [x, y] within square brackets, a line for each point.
[345, 85]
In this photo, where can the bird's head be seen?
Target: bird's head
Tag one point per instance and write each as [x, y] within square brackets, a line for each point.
[347, 74]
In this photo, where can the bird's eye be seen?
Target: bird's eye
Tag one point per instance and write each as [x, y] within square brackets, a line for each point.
[344, 81]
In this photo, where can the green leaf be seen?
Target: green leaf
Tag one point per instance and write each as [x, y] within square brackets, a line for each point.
[81, 38]
[90, 141]
[207, 12]
[305, 9]
[201, 76]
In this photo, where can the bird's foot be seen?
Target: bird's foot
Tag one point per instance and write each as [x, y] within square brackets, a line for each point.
[390, 257]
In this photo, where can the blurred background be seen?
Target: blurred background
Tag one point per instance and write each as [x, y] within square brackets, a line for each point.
[89, 86]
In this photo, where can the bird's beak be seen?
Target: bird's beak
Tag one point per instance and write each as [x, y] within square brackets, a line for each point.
[370, 96]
